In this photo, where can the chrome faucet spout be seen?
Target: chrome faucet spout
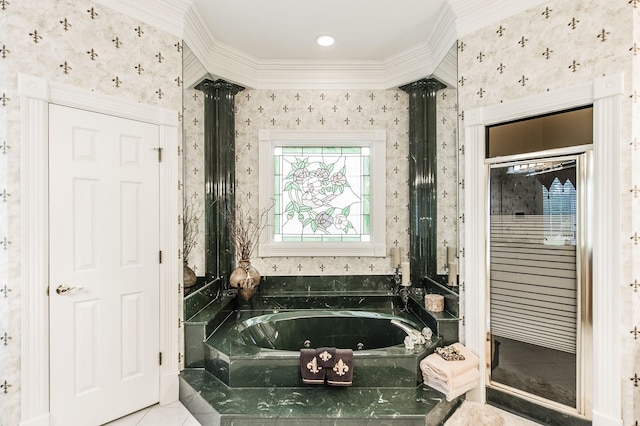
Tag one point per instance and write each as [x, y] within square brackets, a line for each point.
[414, 337]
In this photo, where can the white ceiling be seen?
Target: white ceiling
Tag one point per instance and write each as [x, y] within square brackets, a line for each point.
[286, 29]
[270, 44]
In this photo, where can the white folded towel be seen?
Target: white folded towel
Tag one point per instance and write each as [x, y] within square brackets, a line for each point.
[453, 393]
[437, 366]
[451, 384]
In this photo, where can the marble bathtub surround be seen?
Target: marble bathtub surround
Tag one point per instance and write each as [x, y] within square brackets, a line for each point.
[213, 403]
[242, 361]
[234, 354]
[241, 380]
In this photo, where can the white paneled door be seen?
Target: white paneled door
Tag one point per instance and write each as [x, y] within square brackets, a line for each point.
[104, 266]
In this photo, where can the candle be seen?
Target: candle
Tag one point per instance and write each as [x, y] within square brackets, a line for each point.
[406, 274]
[451, 254]
[396, 256]
[453, 274]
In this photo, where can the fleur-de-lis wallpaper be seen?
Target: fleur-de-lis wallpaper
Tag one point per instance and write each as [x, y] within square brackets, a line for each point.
[331, 110]
[557, 44]
[83, 44]
[328, 110]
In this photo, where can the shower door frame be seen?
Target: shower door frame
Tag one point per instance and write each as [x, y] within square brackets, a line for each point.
[583, 155]
[606, 95]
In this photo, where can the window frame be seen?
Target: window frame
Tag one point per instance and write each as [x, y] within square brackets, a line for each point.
[375, 140]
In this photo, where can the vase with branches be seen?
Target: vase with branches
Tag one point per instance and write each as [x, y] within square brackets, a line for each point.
[245, 227]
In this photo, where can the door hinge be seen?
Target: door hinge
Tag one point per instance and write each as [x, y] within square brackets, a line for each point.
[159, 154]
[160, 358]
[160, 256]
[47, 290]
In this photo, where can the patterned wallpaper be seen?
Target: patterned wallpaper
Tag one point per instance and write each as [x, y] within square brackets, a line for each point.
[193, 171]
[557, 44]
[83, 44]
[330, 110]
[447, 136]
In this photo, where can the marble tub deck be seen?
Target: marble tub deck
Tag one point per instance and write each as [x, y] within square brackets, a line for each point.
[213, 403]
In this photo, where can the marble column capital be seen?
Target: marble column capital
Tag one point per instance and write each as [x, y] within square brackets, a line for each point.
[207, 85]
[429, 84]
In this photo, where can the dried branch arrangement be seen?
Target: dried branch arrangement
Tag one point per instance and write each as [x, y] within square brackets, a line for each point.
[191, 214]
[245, 226]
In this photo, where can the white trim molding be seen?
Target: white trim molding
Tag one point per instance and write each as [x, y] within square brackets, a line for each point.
[605, 93]
[608, 93]
[35, 96]
[224, 61]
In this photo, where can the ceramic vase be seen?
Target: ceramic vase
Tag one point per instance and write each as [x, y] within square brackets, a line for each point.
[189, 278]
[245, 278]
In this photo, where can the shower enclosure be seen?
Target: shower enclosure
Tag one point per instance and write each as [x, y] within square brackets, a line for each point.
[539, 269]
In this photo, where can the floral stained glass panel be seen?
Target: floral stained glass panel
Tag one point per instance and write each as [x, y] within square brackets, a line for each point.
[322, 194]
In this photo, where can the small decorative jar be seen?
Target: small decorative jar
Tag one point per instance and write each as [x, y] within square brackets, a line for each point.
[245, 278]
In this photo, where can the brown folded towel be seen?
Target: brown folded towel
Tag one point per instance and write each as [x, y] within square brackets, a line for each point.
[341, 372]
[326, 357]
[310, 369]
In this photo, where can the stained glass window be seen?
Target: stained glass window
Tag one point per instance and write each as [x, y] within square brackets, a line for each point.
[322, 194]
[327, 199]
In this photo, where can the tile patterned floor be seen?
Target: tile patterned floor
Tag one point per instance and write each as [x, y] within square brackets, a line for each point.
[169, 415]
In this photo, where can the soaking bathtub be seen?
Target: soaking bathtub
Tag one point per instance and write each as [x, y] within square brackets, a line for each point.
[262, 350]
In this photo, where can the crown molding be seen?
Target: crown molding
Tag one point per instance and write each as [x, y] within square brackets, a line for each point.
[166, 15]
[457, 18]
[417, 62]
[444, 40]
[192, 70]
[475, 15]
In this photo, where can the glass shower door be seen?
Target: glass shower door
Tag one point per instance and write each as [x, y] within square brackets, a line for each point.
[534, 286]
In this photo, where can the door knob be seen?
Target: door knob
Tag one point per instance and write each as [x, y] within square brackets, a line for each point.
[65, 289]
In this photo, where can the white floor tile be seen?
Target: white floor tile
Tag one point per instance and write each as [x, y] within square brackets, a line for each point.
[170, 415]
[191, 421]
[131, 419]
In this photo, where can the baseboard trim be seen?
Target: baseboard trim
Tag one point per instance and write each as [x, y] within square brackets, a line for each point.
[169, 388]
[43, 420]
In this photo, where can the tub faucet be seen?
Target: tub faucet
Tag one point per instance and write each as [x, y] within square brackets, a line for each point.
[414, 337]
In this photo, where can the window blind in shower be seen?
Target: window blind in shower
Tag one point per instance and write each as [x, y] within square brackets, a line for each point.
[533, 285]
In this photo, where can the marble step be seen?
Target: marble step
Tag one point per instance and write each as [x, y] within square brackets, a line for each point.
[201, 324]
[213, 403]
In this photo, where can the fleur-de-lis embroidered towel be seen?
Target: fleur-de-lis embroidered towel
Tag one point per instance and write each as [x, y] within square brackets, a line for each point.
[311, 370]
[326, 357]
[341, 372]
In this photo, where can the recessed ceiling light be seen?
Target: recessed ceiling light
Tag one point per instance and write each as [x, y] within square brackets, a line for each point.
[325, 40]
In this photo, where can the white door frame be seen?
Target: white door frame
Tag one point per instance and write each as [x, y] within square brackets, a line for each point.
[605, 93]
[35, 96]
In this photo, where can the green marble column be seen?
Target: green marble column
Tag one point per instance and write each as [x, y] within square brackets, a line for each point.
[423, 185]
[220, 175]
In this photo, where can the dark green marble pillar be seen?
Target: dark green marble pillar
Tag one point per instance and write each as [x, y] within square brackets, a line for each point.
[220, 175]
[423, 185]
